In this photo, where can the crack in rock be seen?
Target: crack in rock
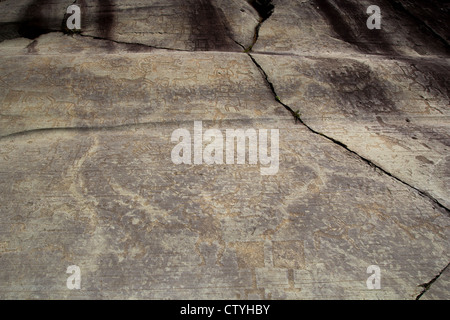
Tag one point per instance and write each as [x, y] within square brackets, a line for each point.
[124, 126]
[427, 286]
[367, 161]
[265, 9]
[133, 45]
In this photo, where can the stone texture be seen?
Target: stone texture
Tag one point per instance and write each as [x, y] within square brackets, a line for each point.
[384, 105]
[439, 289]
[395, 113]
[202, 25]
[151, 86]
[328, 27]
[87, 179]
[112, 202]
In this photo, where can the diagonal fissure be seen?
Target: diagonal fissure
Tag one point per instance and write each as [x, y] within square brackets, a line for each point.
[297, 118]
[265, 10]
[427, 286]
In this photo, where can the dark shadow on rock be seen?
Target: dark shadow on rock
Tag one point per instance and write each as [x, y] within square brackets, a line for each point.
[105, 18]
[375, 40]
[418, 17]
[349, 23]
[265, 8]
[37, 20]
[359, 90]
[8, 31]
[82, 5]
[210, 30]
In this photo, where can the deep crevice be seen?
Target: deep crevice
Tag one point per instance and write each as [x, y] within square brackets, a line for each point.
[265, 10]
[297, 118]
[427, 286]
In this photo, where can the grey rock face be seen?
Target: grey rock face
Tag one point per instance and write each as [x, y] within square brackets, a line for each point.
[87, 176]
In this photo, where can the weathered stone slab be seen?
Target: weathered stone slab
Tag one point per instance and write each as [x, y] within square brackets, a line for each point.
[327, 27]
[395, 113]
[87, 176]
[438, 290]
[31, 18]
[204, 25]
[64, 81]
[112, 202]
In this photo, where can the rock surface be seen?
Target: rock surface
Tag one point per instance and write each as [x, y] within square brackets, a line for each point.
[87, 177]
